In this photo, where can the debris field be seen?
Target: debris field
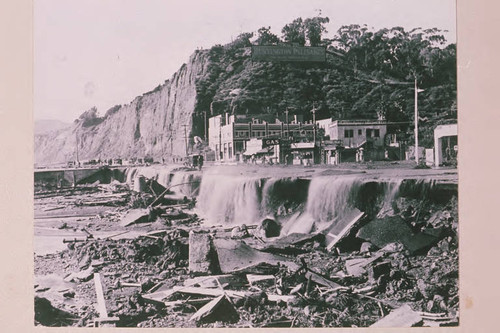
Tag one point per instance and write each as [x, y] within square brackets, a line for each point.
[141, 257]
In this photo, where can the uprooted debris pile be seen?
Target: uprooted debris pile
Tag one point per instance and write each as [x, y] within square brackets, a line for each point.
[398, 270]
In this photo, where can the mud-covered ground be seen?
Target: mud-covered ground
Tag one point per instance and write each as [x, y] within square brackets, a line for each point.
[140, 264]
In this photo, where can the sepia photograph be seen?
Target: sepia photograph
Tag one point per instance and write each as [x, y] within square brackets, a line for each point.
[236, 164]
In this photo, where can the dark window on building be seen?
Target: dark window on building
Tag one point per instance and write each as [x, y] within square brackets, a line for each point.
[348, 133]
[377, 133]
[360, 132]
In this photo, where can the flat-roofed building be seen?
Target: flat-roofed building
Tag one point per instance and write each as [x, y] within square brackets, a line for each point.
[228, 134]
[356, 133]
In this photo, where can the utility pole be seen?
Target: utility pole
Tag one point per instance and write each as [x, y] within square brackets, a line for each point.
[417, 159]
[220, 138]
[314, 130]
[77, 158]
[185, 139]
[287, 127]
[205, 123]
[416, 121]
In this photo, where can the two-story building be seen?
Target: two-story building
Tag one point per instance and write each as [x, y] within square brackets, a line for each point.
[228, 134]
[356, 133]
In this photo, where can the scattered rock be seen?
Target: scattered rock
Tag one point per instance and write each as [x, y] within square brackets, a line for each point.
[379, 269]
[367, 247]
[269, 228]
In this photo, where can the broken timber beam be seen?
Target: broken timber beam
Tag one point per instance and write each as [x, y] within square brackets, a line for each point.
[101, 303]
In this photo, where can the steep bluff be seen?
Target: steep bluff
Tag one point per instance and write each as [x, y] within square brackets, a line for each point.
[152, 125]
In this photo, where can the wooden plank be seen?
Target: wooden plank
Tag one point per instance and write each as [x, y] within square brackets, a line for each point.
[101, 303]
[322, 281]
[106, 320]
[53, 208]
[278, 298]
[252, 278]
[213, 281]
[210, 291]
[158, 297]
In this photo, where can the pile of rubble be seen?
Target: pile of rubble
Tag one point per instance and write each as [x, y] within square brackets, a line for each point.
[398, 270]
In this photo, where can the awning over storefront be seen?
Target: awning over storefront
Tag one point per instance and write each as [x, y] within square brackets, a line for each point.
[250, 152]
[302, 145]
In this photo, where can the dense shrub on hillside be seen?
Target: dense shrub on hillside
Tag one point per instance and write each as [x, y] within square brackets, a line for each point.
[367, 75]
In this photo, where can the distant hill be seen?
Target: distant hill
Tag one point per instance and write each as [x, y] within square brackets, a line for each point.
[43, 126]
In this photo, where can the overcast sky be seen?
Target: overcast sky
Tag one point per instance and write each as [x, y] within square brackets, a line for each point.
[106, 52]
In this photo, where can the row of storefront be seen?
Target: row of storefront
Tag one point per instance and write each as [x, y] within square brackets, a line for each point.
[240, 139]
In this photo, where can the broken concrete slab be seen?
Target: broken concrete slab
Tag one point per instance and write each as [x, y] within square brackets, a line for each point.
[341, 227]
[420, 243]
[203, 259]
[134, 216]
[381, 232]
[139, 184]
[235, 256]
[401, 317]
[219, 309]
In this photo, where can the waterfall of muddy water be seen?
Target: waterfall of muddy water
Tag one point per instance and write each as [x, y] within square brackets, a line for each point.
[185, 183]
[161, 174]
[328, 199]
[391, 191]
[188, 182]
[230, 200]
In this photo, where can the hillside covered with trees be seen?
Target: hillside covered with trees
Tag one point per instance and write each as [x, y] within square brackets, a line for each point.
[367, 75]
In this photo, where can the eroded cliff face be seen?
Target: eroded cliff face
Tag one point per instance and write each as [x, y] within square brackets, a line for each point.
[152, 125]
